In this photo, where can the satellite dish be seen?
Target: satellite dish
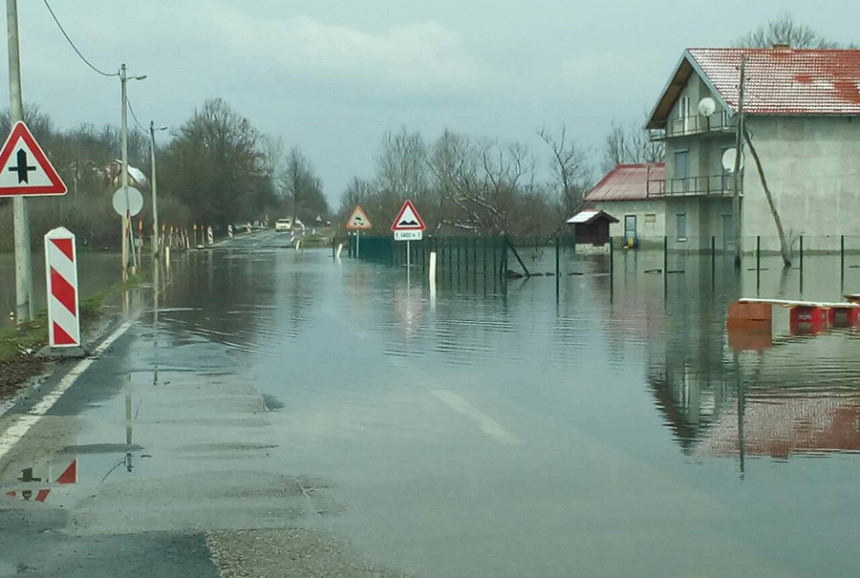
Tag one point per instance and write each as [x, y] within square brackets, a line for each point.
[707, 106]
[729, 160]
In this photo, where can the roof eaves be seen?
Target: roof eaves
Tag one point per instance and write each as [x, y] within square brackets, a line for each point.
[652, 124]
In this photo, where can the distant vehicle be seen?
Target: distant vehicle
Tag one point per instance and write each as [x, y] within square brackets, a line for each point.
[283, 224]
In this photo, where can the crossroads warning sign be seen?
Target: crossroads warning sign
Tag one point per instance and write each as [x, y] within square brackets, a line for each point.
[24, 168]
[358, 220]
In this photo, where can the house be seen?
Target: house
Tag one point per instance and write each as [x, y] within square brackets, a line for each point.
[802, 109]
[136, 177]
[633, 195]
[592, 227]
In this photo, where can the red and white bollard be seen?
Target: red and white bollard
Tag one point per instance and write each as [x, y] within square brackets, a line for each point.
[64, 324]
[210, 238]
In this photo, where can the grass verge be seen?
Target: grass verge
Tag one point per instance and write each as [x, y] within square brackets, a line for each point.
[19, 345]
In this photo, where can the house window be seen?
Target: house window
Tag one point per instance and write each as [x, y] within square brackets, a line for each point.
[682, 171]
[682, 226]
[728, 231]
[727, 176]
[684, 113]
[650, 219]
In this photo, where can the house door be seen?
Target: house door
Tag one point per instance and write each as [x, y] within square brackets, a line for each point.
[630, 227]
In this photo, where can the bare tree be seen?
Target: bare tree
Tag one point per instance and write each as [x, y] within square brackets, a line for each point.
[303, 188]
[570, 168]
[784, 29]
[631, 144]
[401, 164]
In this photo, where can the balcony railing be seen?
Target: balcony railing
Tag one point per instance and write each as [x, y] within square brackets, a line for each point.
[716, 185]
[697, 124]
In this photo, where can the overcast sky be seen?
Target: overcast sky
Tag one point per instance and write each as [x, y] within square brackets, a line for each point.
[330, 76]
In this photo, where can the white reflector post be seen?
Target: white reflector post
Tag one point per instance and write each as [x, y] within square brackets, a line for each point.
[61, 272]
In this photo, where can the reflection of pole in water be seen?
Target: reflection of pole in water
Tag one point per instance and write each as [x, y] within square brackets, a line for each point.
[156, 286]
[740, 393]
[128, 433]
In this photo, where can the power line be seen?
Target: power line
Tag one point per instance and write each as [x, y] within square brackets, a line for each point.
[72, 44]
[134, 116]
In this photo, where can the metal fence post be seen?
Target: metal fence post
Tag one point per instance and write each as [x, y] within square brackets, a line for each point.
[842, 264]
[757, 265]
[611, 266]
[801, 264]
[557, 269]
[665, 265]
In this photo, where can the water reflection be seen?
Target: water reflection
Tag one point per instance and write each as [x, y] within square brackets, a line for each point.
[753, 393]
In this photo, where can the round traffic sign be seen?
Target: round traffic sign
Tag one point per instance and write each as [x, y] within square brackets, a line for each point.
[127, 199]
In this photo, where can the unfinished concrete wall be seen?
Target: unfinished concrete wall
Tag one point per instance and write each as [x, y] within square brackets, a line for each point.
[812, 165]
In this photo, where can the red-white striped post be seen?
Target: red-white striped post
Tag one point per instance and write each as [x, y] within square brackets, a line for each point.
[61, 267]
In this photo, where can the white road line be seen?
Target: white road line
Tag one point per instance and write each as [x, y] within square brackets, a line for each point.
[23, 423]
[488, 425]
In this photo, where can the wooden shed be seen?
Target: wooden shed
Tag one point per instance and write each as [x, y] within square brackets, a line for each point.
[592, 226]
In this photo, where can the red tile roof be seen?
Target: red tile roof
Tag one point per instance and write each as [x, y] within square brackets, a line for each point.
[784, 80]
[629, 182]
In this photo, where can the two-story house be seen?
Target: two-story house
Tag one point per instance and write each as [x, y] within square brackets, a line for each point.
[802, 108]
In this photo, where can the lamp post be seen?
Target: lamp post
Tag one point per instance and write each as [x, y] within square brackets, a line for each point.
[155, 248]
[124, 146]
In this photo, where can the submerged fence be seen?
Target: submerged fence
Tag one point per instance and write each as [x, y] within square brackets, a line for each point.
[821, 266]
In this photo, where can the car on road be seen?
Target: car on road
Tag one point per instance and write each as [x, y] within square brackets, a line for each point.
[283, 224]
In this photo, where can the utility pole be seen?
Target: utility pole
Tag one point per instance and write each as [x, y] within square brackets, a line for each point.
[23, 257]
[155, 250]
[739, 144]
[124, 172]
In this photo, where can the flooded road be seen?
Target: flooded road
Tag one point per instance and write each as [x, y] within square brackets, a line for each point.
[488, 430]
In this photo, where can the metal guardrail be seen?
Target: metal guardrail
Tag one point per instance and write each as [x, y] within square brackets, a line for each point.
[696, 124]
[714, 185]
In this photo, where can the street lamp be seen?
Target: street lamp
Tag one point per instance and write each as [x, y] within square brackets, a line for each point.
[124, 146]
[152, 129]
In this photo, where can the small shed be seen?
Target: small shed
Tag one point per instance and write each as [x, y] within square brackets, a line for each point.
[592, 226]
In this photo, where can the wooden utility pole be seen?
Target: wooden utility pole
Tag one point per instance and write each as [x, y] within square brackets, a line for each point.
[739, 143]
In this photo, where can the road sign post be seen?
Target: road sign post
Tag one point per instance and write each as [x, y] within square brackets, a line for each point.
[408, 226]
[358, 222]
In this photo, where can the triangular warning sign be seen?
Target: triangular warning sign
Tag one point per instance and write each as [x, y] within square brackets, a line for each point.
[358, 220]
[24, 168]
[408, 219]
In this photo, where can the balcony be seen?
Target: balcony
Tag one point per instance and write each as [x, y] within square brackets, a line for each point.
[695, 125]
[712, 186]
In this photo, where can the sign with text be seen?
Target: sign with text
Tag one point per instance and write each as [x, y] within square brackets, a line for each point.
[408, 235]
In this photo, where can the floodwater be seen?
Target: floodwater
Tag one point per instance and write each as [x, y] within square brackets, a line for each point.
[98, 271]
[495, 429]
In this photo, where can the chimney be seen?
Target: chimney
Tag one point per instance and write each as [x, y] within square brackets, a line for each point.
[782, 46]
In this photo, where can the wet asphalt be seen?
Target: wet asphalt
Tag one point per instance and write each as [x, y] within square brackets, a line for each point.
[272, 412]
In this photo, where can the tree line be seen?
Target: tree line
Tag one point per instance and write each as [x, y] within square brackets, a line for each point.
[216, 170]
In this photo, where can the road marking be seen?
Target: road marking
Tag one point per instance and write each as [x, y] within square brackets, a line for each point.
[488, 425]
[23, 423]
